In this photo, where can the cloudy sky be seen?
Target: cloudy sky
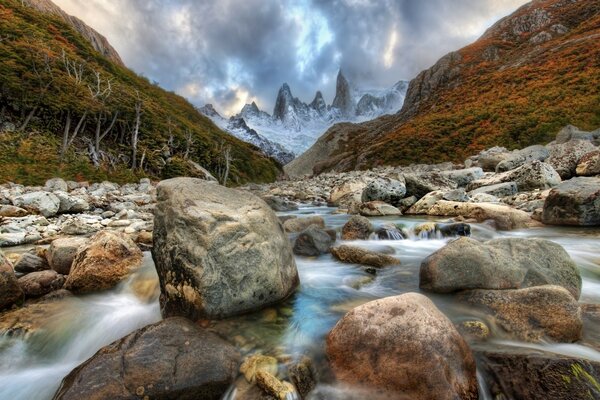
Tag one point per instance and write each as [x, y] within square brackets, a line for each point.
[230, 52]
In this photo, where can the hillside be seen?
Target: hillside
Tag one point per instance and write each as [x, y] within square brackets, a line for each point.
[526, 77]
[68, 110]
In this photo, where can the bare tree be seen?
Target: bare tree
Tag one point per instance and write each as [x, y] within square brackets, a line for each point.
[100, 90]
[189, 142]
[224, 164]
[136, 131]
[42, 71]
[74, 69]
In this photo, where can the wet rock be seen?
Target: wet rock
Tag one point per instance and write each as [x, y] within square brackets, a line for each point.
[390, 232]
[218, 251]
[299, 224]
[473, 330]
[31, 262]
[10, 291]
[574, 202]
[565, 157]
[454, 229]
[505, 218]
[311, 242]
[255, 363]
[39, 283]
[56, 184]
[425, 230]
[386, 190]
[377, 209]
[507, 263]
[106, 259]
[280, 204]
[357, 228]
[356, 255]
[463, 177]
[520, 157]
[532, 314]
[303, 376]
[273, 386]
[421, 184]
[7, 210]
[62, 252]
[172, 359]
[589, 165]
[498, 190]
[538, 375]
[402, 345]
[44, 203]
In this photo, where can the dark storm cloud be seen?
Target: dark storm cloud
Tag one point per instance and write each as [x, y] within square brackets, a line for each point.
[228, 52]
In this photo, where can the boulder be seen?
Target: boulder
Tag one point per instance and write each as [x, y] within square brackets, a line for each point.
[425, 203]
[389, 232]
[507, 263]
[294, 225]
[108, 258]
[357, 255]
[505, 217]
[565, 157]
[530, 176]
[7, 210]
[279, 203]
[377, 209]
[589, 164]
[31, 262]
[387, 190]
[571, 132]
[10, 291]
[71, 204]
[420, 184]
[44, 203]
[357, 228]
[488, 159]
[313, 241]
[532, 314]
[172, 359]
[454, 229]
[347, 193]
[405, 346]
[525, 374]
[520, 157]
[39, 283]
[56, 184]
[218, 252]
[463, 177]
[18, 238]
[574, 202]
[497, 190]
[62, 252]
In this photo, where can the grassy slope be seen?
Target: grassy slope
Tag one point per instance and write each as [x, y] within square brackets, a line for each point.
[28, 38]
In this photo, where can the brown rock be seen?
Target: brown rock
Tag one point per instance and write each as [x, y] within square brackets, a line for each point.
[356, 255]
[589, 164]
[357, 228]
[10, 291]
[39, 283]
[299, 224]
[273, 386]
[108, 258]
[506, 218]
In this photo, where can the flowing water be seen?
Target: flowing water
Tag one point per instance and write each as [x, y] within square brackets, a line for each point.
[32, 366]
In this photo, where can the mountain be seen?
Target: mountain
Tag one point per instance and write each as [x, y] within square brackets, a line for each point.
[68, 107]
[530, 74]
[238, 128]
[295, 125]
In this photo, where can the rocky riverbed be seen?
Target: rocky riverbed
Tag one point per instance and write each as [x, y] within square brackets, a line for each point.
[430, 281]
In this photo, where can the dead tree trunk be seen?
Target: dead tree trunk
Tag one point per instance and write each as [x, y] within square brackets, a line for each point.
[68, 138]
[136, 132]
[189, 141]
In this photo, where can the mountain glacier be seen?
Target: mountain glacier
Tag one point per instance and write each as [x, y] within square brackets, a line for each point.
[294, 125]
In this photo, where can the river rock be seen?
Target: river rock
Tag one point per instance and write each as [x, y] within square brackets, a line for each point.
[538, 375]
[313, 241]
[530, 176]
[31, 262]
[463, 177]
[520, 157]
[218, 251]
[505, 217]
[571, 132]
[299, 224]
[405, 346]
[497, 190]
[565, 157]
[44, 203]
[488, 159]
[39, 283]
[62, 252]
[71, 204]
[7, 210]
[387, 190]
[172, 359]
[454, 229]
[279, 203]
[347, 193]
[506, 263]
[303, 376]
[589, 165]
[425, 203]
[357, 228]
[104, 261]
[10, 291]
[357, 255]
[56, 184]
[532, 314]
[377, 209]
[420, 184]
[574, 202]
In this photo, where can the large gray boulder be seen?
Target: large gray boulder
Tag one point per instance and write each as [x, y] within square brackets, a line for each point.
[574, 202]
[218, 251]
[313, 241]
[420, 184]
[507, 263]
[390, 191]
[405, 347]
[497, 190]
[44, 203]
[520, 157]
[565, 157]
[463, 177]
[571, 132]
[530, 176]
[55, 184]
[172, 359]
